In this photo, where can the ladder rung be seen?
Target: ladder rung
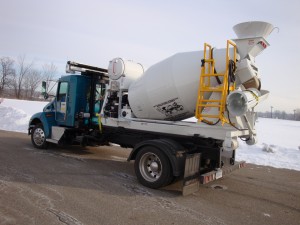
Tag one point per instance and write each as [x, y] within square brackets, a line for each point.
[209, 105]
[208, 60]
[209, 116]
[212, 75]
[211, 89]
[210, 100]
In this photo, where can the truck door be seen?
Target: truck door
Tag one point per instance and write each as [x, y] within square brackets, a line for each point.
[61, 102]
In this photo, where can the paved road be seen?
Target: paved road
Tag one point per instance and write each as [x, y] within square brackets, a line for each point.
[98, 186]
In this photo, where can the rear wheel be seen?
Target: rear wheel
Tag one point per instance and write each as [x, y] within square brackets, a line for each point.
[153, 168]
[38, 137]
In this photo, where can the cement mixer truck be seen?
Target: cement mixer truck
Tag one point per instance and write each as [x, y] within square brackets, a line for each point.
[146, 110]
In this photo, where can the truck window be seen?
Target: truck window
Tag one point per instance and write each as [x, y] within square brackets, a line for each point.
[62, 92]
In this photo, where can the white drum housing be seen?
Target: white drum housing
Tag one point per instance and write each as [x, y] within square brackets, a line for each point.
[125, 71]
[168, 90]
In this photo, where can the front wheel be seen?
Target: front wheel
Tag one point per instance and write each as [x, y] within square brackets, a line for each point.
[153, 168]
[38, 137]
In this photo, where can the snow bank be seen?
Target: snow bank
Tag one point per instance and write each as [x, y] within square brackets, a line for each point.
[29, 107]
[15, 114]
[278, 140]
[278, 157]
[278, 144]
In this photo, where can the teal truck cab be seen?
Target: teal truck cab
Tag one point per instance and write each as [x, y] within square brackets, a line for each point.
[73, 113]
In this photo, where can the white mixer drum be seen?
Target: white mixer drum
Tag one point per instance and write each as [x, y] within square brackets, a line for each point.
[168, 90]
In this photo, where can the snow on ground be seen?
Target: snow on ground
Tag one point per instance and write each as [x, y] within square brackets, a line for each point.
[278, 140]
[278, 144]
[15, 114]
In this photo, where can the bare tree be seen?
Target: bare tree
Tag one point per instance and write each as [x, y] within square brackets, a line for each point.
[23, 69]
[277, 114]
[283, 115]
[6, 72]
[49, 72]
[31, 82]
[297, 114]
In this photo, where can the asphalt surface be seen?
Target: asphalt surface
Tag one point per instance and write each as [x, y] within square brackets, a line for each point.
[97, 186]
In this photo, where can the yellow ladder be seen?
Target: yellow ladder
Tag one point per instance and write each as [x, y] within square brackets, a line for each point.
[207, 73]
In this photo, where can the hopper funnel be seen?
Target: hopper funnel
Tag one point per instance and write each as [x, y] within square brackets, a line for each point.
[253, 29]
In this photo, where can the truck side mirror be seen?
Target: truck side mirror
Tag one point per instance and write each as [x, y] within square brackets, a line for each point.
[44, 93]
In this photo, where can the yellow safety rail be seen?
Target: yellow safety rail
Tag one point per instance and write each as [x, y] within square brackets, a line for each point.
[205, 86]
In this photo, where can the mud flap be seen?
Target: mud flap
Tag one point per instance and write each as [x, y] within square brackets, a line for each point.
[191, 179]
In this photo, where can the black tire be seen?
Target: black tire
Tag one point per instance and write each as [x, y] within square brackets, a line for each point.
[38, 137]
[152, 168]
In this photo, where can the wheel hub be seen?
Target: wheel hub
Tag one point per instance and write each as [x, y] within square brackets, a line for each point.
[39, 136]
[154, 166]
[150, 167]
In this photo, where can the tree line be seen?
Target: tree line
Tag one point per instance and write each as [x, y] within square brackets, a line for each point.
[20, 78]
[277, 114]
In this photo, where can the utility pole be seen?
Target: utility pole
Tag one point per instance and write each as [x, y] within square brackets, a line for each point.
[271, 111]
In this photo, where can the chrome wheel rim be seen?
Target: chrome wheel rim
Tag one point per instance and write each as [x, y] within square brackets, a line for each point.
[150, 167]
[39, 136]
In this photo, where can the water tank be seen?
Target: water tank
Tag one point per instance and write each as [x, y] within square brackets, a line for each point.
[168, 90]
[125, 71]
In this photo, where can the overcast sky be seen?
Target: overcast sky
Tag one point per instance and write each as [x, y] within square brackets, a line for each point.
[95, 31]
